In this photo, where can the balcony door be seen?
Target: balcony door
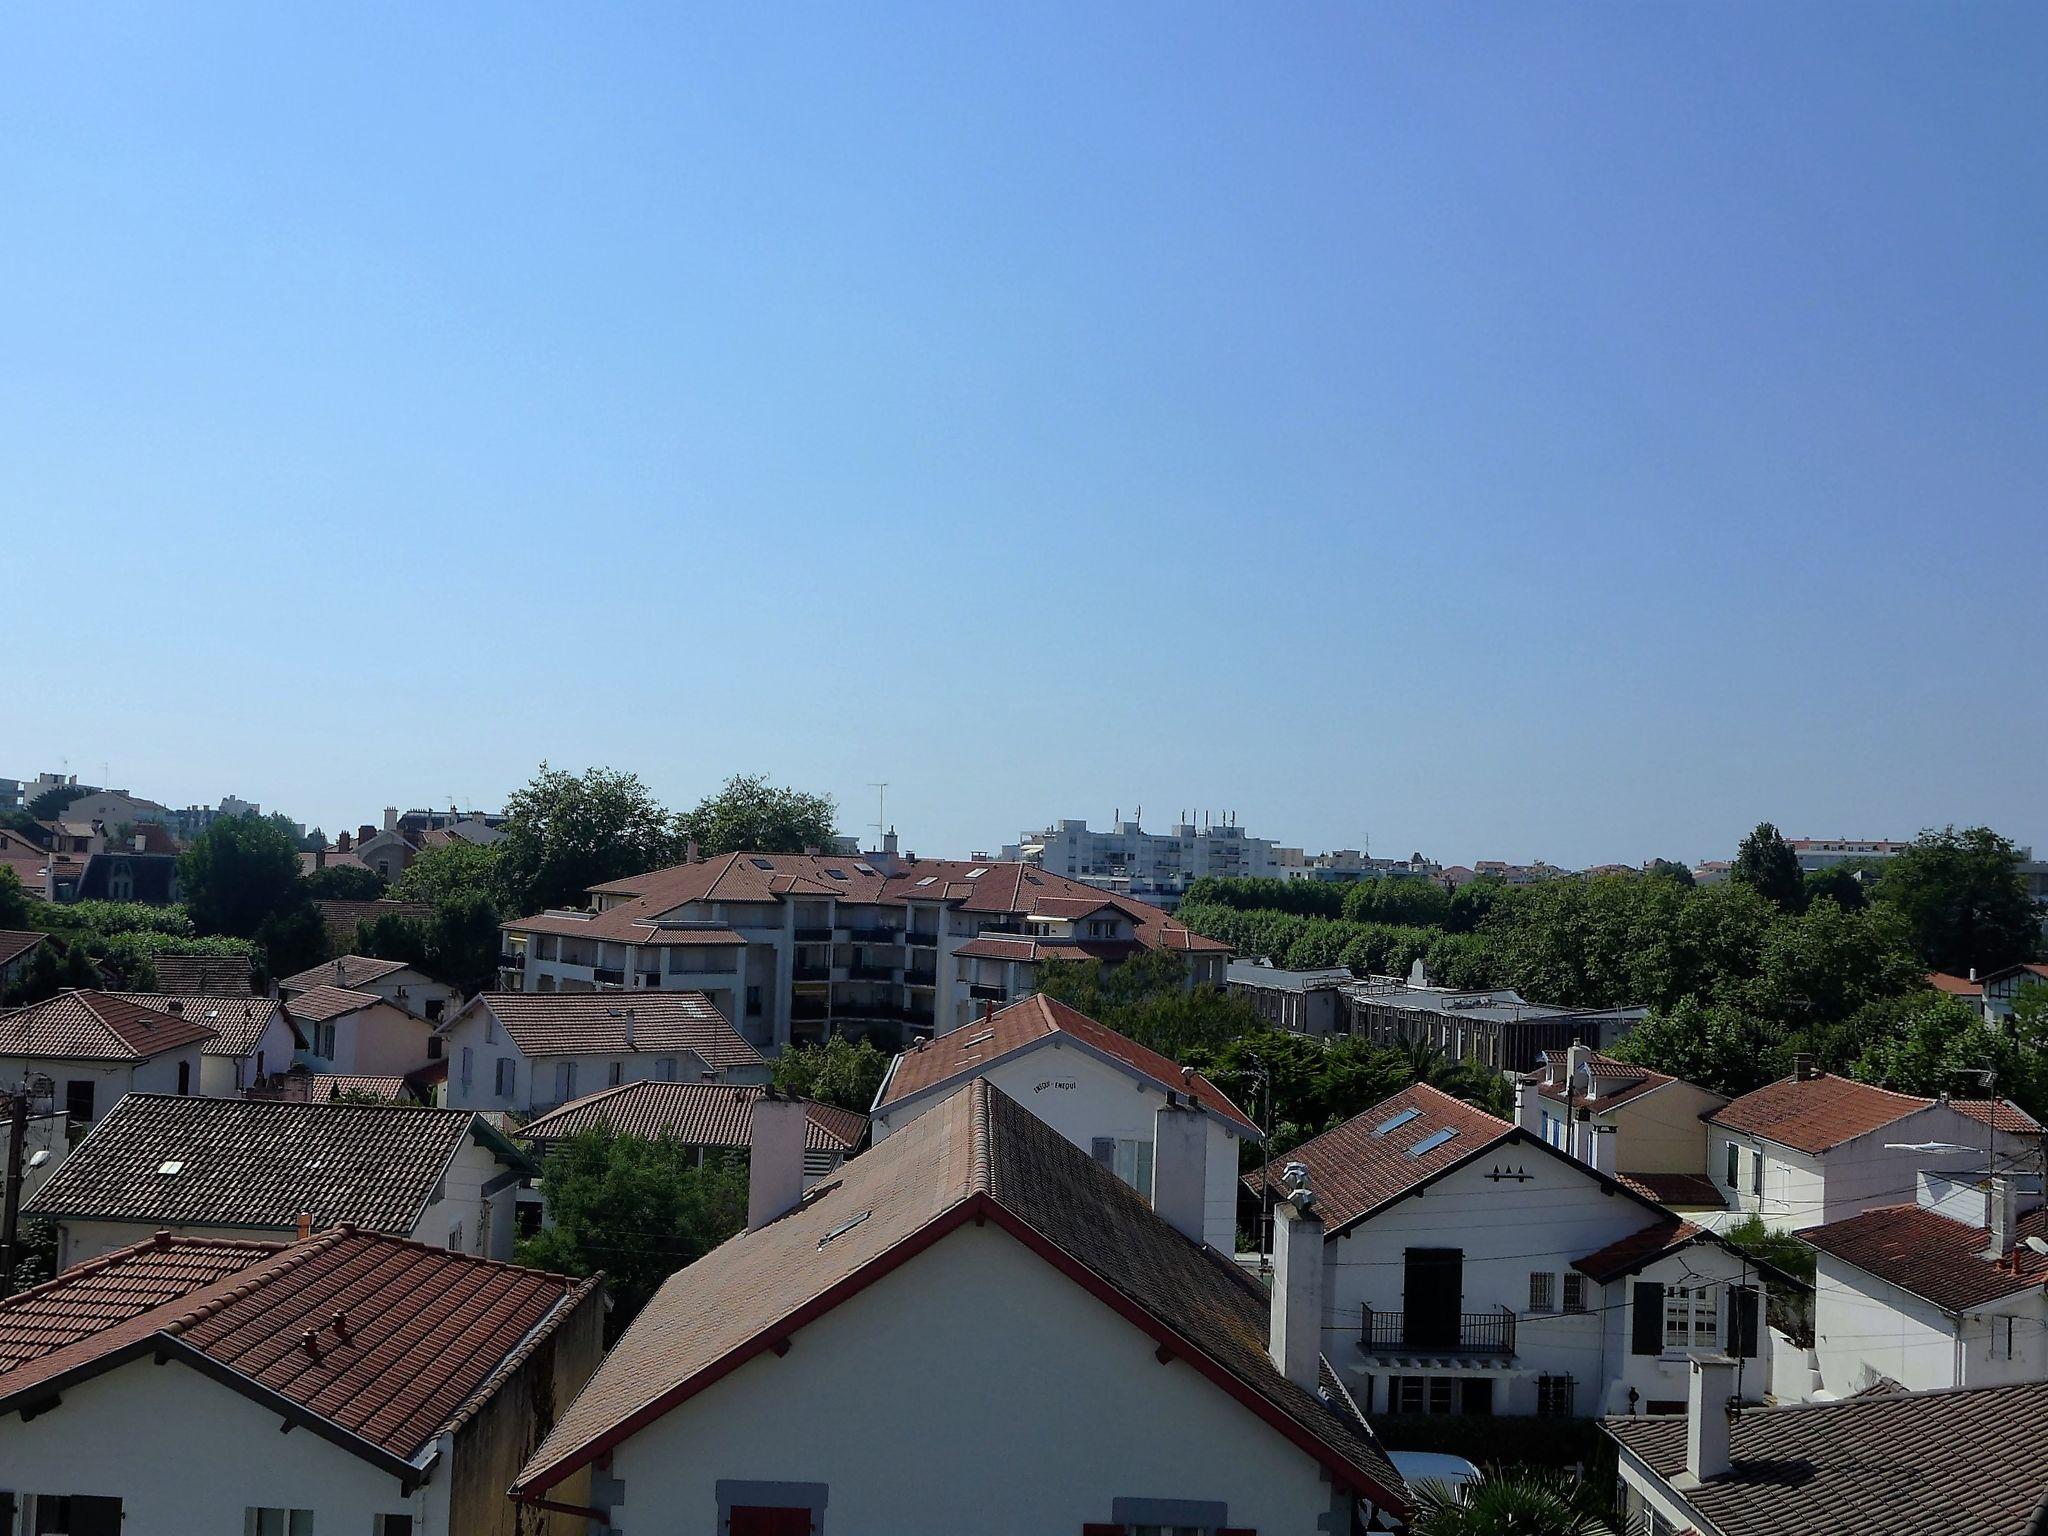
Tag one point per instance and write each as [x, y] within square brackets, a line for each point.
[1432, 1293]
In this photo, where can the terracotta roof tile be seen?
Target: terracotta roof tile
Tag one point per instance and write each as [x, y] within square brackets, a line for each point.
[1675, 1189]
[192, 975]
[625, 924]
[352, 972]
[341, 918]
[594, 1023]
[1954, 986]
[14, 943]
[320, 1087]
[967, 1052]
[2009, 1117]
[96, 1026]
[259, 1163]
[1929, 1255]
[1815, 1113]
[1970, 1462]
[977, 1155]
[1369, 1160]
[238, 1021]
[1626, 1255]
[319, 1004]
[696, 1114]
[424, 1331]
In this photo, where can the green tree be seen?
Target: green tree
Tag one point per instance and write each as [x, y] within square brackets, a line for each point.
[1510, 1501]
[638, 1210]
[1964, 900]
[1932, 1043]
[1846, 885]
[1719, 1046]
[52, 803]
[463, 942]
[54, 965]
[344, 882]
[394, 936]
[1148, 998]
[751, 815]
[566, 832]
[841, 1071]
[13, 899]
[1669, 869]
[239, 874]
[453, 869]
[1766, 864]
[459, 943]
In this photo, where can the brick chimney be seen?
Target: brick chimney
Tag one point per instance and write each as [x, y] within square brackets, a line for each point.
[343, 842]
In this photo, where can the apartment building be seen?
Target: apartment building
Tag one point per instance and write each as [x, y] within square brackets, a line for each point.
[1156, 867]
[1496, 1028]
[796, 947]
[1299, 1002]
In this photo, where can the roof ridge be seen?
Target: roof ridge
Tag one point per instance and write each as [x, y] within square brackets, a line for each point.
[981, 1170]
[156, 1242]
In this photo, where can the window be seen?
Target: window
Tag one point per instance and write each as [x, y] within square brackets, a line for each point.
[78, 1098]
[435, 1046]
[1574, 1293]
[1690, 1321]
[184, 1078]
[1554, 1397]
[1542, 1291]
[468, 1064]
[615, 1074]
[1134, 1164]
[2008, 1336]
[277, 1522]
[436, 1006]
[327, 1041]
[1734, 1180]
[753, 1002]
[665, 1069]
[1426, 1394]
[455, 1238]
[391, 1525]
[507, 1077]
[1756, 1172]
[490, 1028]
[77, 1515]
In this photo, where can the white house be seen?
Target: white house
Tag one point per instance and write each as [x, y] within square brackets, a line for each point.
[145, 1391]
[1078, 1077]
[1814, 1148]
[704, 1116]
[1645, 1127]
[393, 980]
[1926, 1295]
[978, 1328]
[97, 1047]
[532, 1052]
[264, 1167]
[1476, 1269]
[359, 1033]
[253, 1036]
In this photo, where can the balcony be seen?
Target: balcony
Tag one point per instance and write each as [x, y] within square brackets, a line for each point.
[801, 1008]
[984, 994]
[922, 940]
[920, 1016]
[874, 935]
[1459, 1333]
[605, 975]
[512, 962]
[861, 971]
[811, 972]
[814, 935]
[921, 978]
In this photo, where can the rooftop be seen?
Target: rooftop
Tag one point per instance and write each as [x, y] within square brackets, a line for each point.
[1817, 1112]
[237, 1020]
[696, 1114]
[319, 1004]
[596, 1023]
[1925, 1253]
[96, 1026]
[344, 971]
[15, 942]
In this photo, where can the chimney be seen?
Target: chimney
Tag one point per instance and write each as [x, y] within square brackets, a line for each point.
[340, 973]
[775, 1159]
[1706, 1420]
[343, 842]
[1576, 1060]
[1802, 1067]
[305, 1225]
[690, 854]
[320, 856]
[390, 818]
[1528, 1107]
[1295, 1338]
[629, 1029]
[1596, 1146]
[365, 832]
[1180, 1167]
[2004, 1198]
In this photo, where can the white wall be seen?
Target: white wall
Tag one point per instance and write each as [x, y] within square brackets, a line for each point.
[1865, 1328]
[193, 1455]
[900, 1419]
[112, 1080]
[377, 1040]
[1082, 1096]
[218, 1074]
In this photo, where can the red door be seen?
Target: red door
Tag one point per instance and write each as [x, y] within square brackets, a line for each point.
[761, 1520]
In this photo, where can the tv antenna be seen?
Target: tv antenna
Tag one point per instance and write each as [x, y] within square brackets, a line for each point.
[881, 790]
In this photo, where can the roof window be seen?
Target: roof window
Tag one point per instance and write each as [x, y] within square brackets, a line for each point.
[1431, 1142]
[836, 874]
[866, 869]
[926, 880]
[843, 1228]
[1397, 1122]
[977, 872]
[174, 1166]
[762, 864]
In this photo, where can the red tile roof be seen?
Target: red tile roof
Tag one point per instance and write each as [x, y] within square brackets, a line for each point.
[1626, 1255]
[977, 1157]
[1618, 1081]
[1361, 1165]
[342, 918]
[238, 1021]
[595, 1023]
[343, 971]
[969, 1051]
[1823, 1111]
[1928, 1255]
[2008, 1116]
[999, 946]
[423, 1331]
[321, 1087]
[319, 1004]
[696, 1114]
[1675, 1189]
[1954, 986]
[15, 942]
[113, 1288]
[96, 1026]
[191, 975]
[627, 924]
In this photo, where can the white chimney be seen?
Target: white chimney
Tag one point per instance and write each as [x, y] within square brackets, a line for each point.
[1576, 1060]
[1528, 1107]
[1180, 1167]
[775, 1158]
[1295, 1338]
[390, 818]
[1706, 1420]
[2003, 1218]
[1597, 1146]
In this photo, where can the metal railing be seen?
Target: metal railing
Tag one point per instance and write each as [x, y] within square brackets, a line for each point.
[814, 935]
[1466, 1333]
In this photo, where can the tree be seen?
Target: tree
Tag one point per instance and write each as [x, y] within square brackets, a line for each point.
[1932, 1043]
[1964, 900]
[840, 1072]
[1509, 1501]
[1766, 864]
[453, 869]
[394, 936]
[54, 801]
[463, 942]
[751, 815]
[13, 899]
[344, 882]
[1669, 869]
[241, 879]
[1718, 1046]
[638, 1210]
[1843, 884]
[54, 965]
[565, 833]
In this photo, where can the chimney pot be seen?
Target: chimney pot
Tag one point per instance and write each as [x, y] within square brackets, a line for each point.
[311, 1340]
[2002, 1220]
[1802, 1067]
[341, 1326]
[1528, 1110]
[305, 1225]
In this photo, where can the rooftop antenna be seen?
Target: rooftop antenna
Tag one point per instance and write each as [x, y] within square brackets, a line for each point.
[881, 790]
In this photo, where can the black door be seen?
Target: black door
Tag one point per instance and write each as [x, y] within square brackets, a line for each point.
[1433, 1292]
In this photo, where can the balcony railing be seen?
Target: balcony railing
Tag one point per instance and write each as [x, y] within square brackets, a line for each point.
[988, 994]
[803, 1010]
[1464, 1333]
[922, 940]
[875, 935]
[860, 972]
[814, 935]
[921, 978]
[606, 973]
[513, 962]
[811, 972]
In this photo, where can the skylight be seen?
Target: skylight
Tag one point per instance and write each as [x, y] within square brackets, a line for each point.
[866, 869]
[1431, 1142]
[977, 872]
[174, 1166]
[836, 874]
[763, 864]
[927, 880]
[844, 1227]
[1397, 1122]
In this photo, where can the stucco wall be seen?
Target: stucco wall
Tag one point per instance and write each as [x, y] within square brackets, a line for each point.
[925, 1420]
[217, 1074]
[1662, 1132]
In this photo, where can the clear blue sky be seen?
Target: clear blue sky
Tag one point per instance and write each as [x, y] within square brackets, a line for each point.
[1512, 431]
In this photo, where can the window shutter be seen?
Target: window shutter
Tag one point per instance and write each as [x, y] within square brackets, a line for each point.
[1103, 1150]
[1648, 1330]
[1742, 1320]
[1102, 1527]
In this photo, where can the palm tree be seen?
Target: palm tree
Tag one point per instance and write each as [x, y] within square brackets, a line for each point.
[1509, 1501]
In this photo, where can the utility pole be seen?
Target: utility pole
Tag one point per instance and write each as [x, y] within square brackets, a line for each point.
[10, 1216]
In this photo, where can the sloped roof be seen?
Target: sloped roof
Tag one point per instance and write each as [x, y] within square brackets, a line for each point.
[238, 1021]
[1675, 1189]
[319, 1087]
[1359, 1166]
[15, 942]
[114, 1287]
[341, 917]
[319, 1004]
[1815, 1113]
[192, 975]
[594, 1023]
[625, 924]
[423, 1332]
[343, 971]
[966, 1052]
[977, 1156]
[1954, 986]
[261, 1163]
[1967, 1462]
[1928, 1255]
[1619, 1081]
[1638, 1249]
[96, 1026]
[2009, 1117]
[696, 1114]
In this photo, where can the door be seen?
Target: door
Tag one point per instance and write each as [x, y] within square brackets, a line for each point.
[762, 1520]
[1432, 1294]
